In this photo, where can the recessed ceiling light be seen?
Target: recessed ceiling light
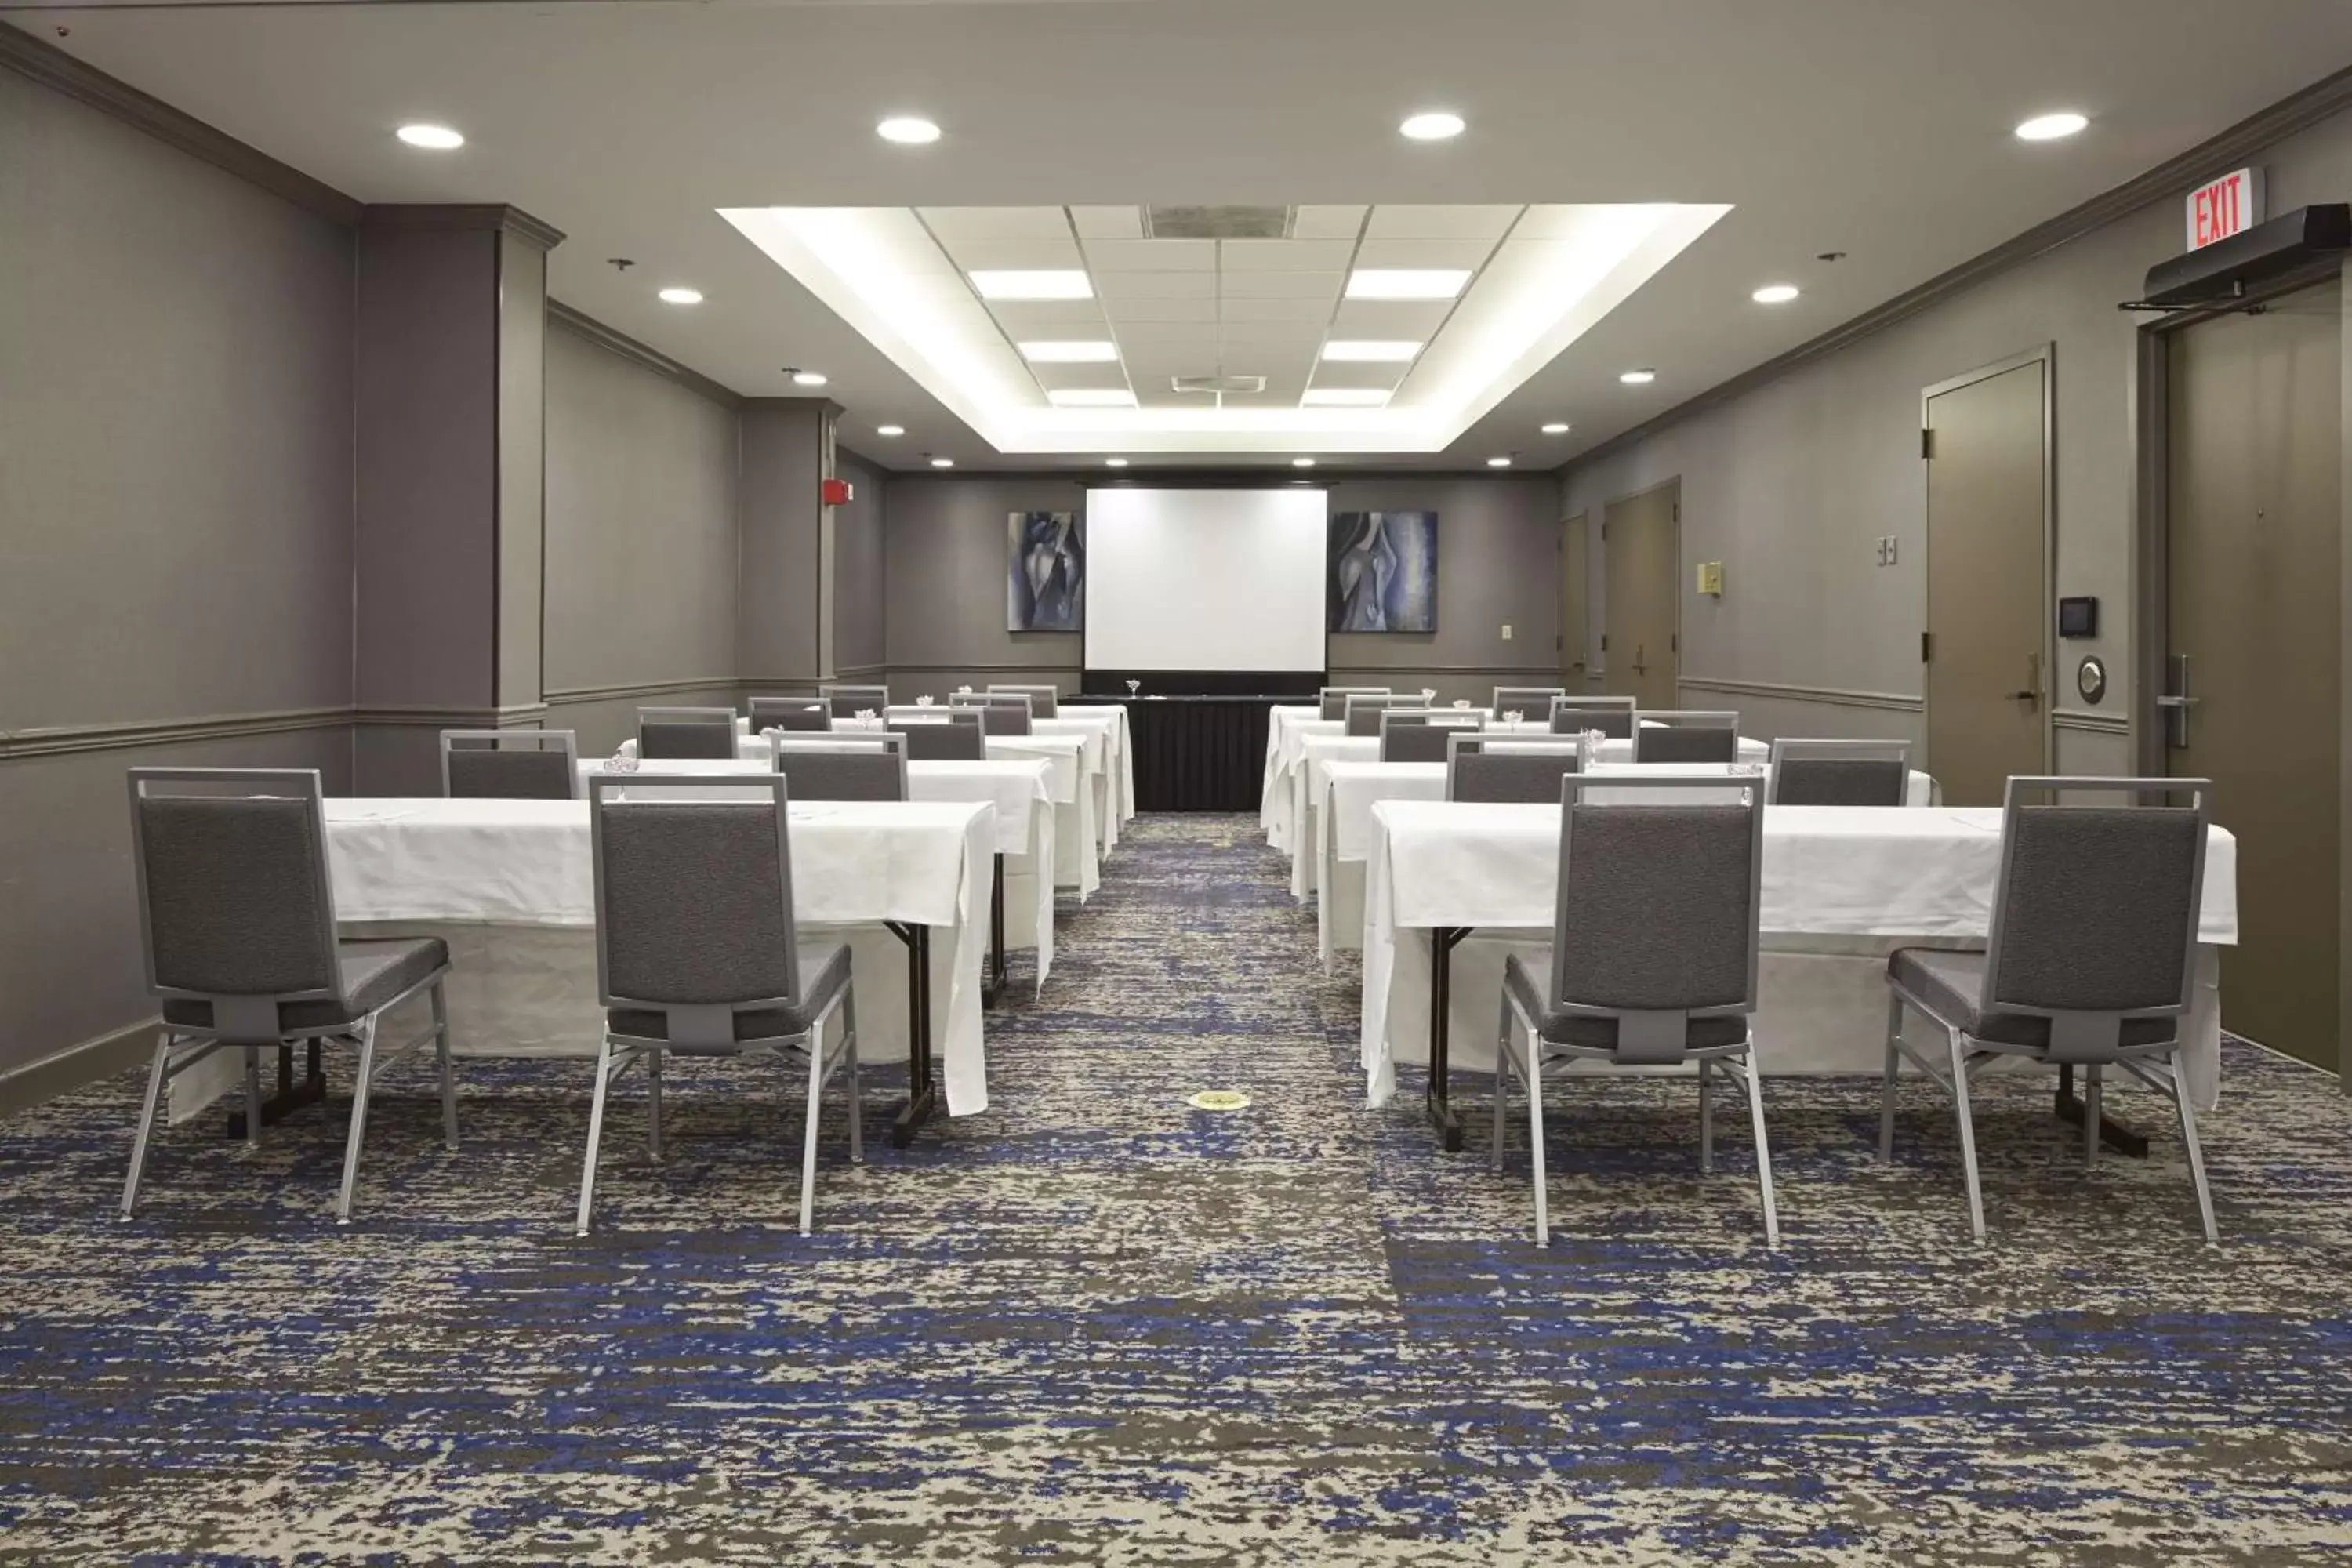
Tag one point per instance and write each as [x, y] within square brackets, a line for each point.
[909, 129]
[944, 462]
[435, 138]
[1556, 427]
[1498, 462]
[1034, 284]
[1091, 397]
[2052, 127]
[1638, 377]
[1344, 397]
[1114, 462]
[1302, 462]
[889, 429]
[1083, 351]
[1406, 282]
[1431, 125]
[681, 296]
[808, 378]
[1775, 294]
[1368, 350]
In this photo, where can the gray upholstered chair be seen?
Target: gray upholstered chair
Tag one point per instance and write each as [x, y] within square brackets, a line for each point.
[685, 734]
[697, 952]
[1420, 736]
[1044, 702]
[868, 766]
[1364, 714]
[793, 713]
[1526, 701]
[1613, 718]
[1841, 773]
[1652, 961]
[1497, 768]
[1685, 736]
[1000, 712]
[237, 908]
[849, 701]
[1332, 701]
[2090, 961]
[510, 764]
[954, 736]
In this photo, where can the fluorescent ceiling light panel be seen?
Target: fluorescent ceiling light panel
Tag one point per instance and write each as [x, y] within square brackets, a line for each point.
[1080, 352]
[1051, 283]
[1407, 282]
[1563, 268]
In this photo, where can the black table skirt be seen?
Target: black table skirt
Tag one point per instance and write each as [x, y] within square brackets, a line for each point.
[1196, 753]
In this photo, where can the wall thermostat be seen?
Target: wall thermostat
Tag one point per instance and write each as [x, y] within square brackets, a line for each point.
[2078, 618]
[2090, 679]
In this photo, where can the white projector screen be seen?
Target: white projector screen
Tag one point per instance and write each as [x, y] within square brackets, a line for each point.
[1223, 580]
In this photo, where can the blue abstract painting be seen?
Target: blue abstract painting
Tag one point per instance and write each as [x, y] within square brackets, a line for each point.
[1383, 576]
[1045, 573]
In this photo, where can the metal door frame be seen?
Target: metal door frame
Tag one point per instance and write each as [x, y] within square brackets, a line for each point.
[1581, 515]
[2046, 355]
[1675, 596]
[2151, 583]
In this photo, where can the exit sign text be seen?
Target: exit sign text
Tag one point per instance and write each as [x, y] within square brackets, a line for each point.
[2230, 205]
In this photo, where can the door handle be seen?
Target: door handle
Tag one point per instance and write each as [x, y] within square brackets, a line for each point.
[2032, 693]
[1640, 650]
[2175, 704]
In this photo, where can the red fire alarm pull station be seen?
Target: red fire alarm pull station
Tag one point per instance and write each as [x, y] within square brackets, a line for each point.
[838, 492]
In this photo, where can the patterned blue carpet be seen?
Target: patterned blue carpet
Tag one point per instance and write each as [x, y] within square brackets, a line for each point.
[1095, 1326]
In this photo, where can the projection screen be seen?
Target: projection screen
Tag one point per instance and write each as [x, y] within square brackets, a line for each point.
[1205, 580]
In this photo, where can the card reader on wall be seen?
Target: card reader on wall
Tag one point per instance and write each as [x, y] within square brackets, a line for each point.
[2078, 618]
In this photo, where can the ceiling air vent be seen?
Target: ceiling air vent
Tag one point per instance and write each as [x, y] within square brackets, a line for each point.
[1216, 222]
[1234, 383]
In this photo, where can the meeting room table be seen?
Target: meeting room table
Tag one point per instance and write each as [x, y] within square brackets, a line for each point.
[1842, 886]
[511, 886]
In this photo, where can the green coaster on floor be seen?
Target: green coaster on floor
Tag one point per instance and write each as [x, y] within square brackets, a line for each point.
[1219, 1099]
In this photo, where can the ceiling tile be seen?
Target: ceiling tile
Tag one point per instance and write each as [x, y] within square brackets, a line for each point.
[980, 223]
[1312, 312]
[1323, 286]
[1116, 286]
[1060, 318]
[1388, 320]
[1287, 255]
[1441, 222]
[1425, 253]
[1014, 255]
[1056, 377]
[1327, 221]
[1355, 376]
[1152, 254]
[1108, 223]
[1197, 310]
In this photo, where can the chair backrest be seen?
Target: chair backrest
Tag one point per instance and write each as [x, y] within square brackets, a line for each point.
[684, 733]
[849, 701]
[868, 766]
[1498, 768]
[510, 764]
[236, 904]
[1682, 735]
[1364, 712]
[1526, 701]
[1659, 909]
[694, 899]
[1000, 712]
[1044, 702]
[1333, 700]
[1841, 773]
[1420, 736]
[954, 736]
[2095, 915]
[790, 713]
[1613, 721]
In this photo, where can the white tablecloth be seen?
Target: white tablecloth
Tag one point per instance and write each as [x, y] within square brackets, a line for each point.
[1842, 886]
[1111, 761]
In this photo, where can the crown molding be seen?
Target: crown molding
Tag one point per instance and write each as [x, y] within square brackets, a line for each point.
[2259, 131]
[588, 329]
[61, 72]
[462, 216]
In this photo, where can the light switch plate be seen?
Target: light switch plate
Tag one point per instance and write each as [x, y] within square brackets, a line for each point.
[1506, 631]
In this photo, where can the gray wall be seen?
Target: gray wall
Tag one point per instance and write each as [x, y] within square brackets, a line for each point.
[1498, 564]
[783, 467]
[1791, 486]
[175, 515]
[643, 490]
[860, 610]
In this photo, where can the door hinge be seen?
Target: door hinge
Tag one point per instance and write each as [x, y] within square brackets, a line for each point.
[1558, 644]
[1926, 443]
[1604, 534]
[1675, 642]
[1926, 647]
[1678, 511]
[1604, 642]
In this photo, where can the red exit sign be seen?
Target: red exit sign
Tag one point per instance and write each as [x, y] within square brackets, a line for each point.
[2230, 205]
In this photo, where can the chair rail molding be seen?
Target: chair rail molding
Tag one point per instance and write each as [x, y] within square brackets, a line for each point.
[1834, 696]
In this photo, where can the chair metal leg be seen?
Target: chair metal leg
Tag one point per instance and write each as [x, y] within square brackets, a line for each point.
[1705, 1118]
[2196, 1155]
[1968, 1135]
[808, 1138]
[1502, 1083]
[595, 1135]
[1763, 1151]
[252, 1097]
[448, 1070]
[2091, 1087]
[146, 1123]
[1534, 1076]
[358, 1122]
[1894, 1067]
[856, 1095]
[653, 1102]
